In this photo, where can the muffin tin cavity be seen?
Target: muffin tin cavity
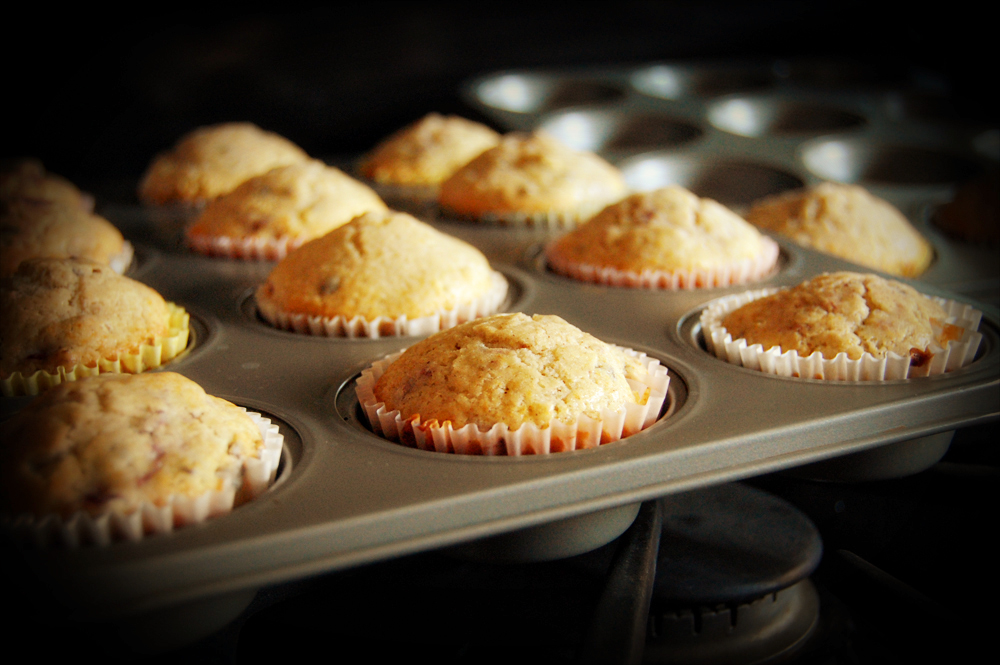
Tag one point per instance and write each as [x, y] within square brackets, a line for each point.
[864, 161]
[531, 93]
[613, 131]
[349, 409]
[679, 81]
[732, 183]
[753, 117]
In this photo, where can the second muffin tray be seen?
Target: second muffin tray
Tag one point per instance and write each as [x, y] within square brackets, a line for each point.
[346, 497]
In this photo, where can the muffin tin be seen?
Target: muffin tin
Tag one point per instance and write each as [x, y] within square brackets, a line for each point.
[346, 497]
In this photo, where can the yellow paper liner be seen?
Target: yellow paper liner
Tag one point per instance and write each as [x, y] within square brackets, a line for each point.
[528, 439]
[385, 326]
[733, 274]
[958, 352]
[149, 518]
[149, 356]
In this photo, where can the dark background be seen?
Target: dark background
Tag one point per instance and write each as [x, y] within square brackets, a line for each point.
[95, 94]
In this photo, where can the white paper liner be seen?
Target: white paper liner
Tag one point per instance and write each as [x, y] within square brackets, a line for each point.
[250, 249]
[739, 272]
[957, 353]
[385, 326]
[150, 519]
[528, 439]
[149, 356]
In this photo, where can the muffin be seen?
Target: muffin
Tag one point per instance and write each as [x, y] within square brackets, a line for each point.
[121, 456]
[668, 238]
[427, 152]
[64, 319]
[28, 179]
[843, 325]
[511, 384]
[383, 273]
[848, 222]
[34, 228]
[534, 179]
[214, 160]
[271, 214]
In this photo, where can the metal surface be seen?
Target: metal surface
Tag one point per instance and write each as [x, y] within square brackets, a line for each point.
[353, 498]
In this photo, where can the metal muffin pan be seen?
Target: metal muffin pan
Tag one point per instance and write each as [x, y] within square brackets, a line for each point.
[350, 497]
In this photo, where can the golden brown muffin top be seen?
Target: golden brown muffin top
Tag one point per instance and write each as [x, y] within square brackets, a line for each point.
[509, 368]
[840, 312]
[849, 222]
[428, 151]
[32, 228]
[379, 264]
[64, 312]
[28, 179]
[532, 173]
[666, 229]
[116, 441]
[303, 201]
[214, 160]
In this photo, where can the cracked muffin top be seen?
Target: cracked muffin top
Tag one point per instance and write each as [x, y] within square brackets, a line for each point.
[533, 174]
[841, 312]
[380, 264]
[300, 201]
[114, 442]
[849, 222]
[32, 228]
[428, 151]
[65, 312]
[512, 369]
[214, 160]
[665, 229]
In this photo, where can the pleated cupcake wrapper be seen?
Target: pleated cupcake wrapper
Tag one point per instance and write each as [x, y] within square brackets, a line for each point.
[151, 519]
[250, 249]
[149, 356]
[739, 272]
[384, 326]
[544, 220]
[123, 259]
[584, 432]
[962, 323]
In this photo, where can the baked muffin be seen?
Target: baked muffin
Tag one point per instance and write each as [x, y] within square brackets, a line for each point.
[129, 455]
[383, 273]
[62, 319]
[28, 179]
[427, 152]
[214, 160]
[511, 384]
[35, 227]
[668, 238]
[861, 321]
[271, 214]
[849, 222]
[532, 178]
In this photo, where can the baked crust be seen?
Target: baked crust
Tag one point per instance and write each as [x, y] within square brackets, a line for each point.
[849, 222]
[840, 312]
[508, 368]
[532, 174]
[428, 151]
[378, 265]
[214, 160]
